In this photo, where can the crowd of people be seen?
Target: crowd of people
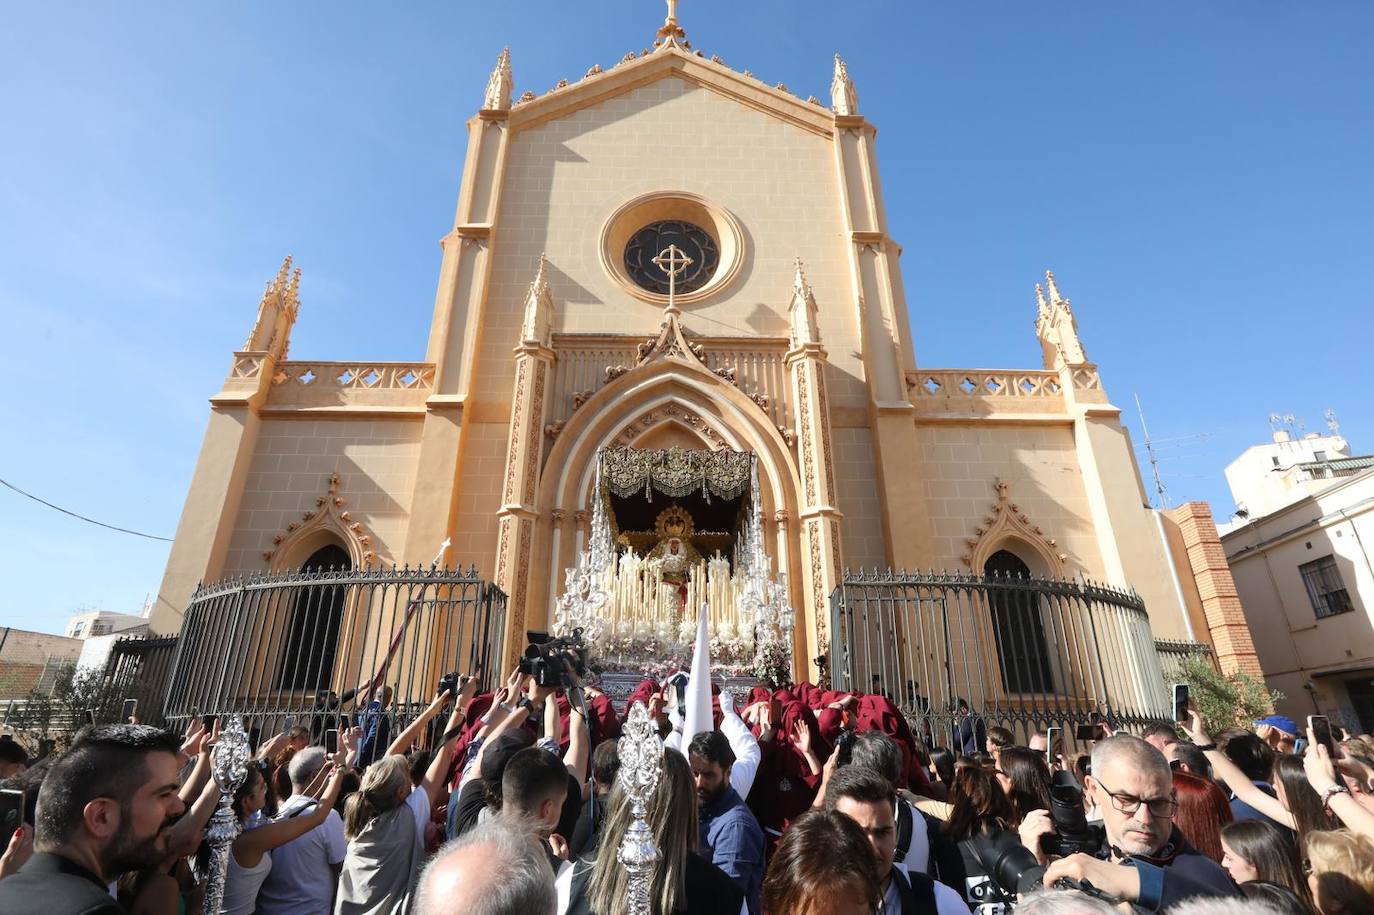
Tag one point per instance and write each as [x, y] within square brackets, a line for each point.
[799, 801]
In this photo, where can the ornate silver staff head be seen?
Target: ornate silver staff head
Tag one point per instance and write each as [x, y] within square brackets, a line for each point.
[230, 768]
[641, 761]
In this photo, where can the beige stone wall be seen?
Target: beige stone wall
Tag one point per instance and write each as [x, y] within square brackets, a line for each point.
[290, 469]
[479, 494]
[862, 537]
[1041, 464]
[564, 178]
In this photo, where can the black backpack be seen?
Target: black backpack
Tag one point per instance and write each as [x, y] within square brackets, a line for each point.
[906, 829]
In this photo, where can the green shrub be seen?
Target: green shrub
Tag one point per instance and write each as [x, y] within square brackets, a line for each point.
[1225, 700]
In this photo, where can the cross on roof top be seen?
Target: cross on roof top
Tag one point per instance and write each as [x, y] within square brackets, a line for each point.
[672, 260]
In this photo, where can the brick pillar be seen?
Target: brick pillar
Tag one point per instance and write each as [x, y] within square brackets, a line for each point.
[1235, 650]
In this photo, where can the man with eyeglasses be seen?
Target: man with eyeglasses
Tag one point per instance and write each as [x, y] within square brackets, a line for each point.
[1146, 860]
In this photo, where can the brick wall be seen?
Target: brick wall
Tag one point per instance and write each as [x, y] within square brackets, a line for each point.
[1235, 650]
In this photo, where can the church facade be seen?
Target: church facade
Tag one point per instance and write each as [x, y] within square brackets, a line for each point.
[785, 335]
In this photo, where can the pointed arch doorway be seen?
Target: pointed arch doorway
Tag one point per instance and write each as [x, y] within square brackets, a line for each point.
[312, 635]
[1018, 628]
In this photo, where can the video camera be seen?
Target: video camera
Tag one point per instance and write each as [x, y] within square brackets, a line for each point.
[1013, 869]
[1072, 831]
[544, 657]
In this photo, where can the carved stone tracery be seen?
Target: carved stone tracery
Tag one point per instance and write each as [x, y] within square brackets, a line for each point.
[329, 515]
[1007, 521]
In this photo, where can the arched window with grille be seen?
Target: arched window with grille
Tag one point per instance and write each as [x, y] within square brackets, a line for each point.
[312, 630]
[1017, 627]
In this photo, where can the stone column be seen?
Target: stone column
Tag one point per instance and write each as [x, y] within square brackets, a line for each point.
[884, 329]
[817, 514]
[560, 524]
[456, 331]
[517, 515]
[207, 520]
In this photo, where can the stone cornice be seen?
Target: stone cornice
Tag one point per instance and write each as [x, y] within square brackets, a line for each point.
[630, 74]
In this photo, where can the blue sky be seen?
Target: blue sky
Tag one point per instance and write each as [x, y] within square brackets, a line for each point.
[1197, 174]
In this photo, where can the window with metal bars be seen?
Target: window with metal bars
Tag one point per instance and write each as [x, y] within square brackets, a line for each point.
[1325, 588]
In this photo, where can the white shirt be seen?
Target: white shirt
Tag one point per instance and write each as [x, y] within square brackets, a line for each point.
[917, 858]
[304, 870]
[241, 885]
[743, 744]
[418, 802]
[947, 899]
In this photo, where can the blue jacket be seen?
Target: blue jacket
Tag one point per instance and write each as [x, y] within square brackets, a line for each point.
[733, 840]
[1177, 873]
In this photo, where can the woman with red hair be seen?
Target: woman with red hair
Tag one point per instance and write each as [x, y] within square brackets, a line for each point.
[1203, 809]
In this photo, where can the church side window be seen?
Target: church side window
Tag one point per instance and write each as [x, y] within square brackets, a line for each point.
[312, 635]
[1325, 588]
[650, 241]
[1018, 628]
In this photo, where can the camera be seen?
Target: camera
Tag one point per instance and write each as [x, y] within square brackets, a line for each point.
[844, 743]
[1072, 831]
[1012, 868]
[448, 683]
[544, 657]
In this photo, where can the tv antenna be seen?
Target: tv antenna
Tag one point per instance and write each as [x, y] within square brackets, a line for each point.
[1331, 422]
[1154, 459]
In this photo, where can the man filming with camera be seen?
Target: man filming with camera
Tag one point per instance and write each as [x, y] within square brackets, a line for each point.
[1144, 859]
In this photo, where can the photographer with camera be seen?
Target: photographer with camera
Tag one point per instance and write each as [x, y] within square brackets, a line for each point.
[1144, 859]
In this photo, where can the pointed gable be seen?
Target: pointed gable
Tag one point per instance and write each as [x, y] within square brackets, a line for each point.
[600, 86]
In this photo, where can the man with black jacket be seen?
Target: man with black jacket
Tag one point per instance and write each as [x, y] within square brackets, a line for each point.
[1146, 860]
[104, 809]
[870, 800]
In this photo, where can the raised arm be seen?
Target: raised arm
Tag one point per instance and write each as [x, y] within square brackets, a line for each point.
[742, 743]
[437, 773]
[1236, 780]
[553, 722]
[801, 733]
[403, 740]
[252, 844]
[1322, 775]
[184, 835]
[197, 744]
[502, 704]
[578, 737]
[508, 723]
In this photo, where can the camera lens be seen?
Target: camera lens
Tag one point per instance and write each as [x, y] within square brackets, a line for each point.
[1008, 863]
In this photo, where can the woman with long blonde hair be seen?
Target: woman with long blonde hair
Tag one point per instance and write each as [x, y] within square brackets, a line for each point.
[385, 819]
[683, 881]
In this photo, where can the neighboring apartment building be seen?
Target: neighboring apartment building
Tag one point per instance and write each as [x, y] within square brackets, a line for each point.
[1299, 551]
[85, 624]
[31, 660]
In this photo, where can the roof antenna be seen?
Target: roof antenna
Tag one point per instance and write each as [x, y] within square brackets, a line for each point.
[1154, 459]
[1331, 422]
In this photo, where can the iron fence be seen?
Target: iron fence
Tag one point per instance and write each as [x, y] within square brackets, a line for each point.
[1172, 654]
[311, 647]
[138, 668]
[1023, 653]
